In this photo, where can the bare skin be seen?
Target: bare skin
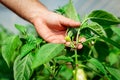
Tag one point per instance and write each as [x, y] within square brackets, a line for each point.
[49, 25]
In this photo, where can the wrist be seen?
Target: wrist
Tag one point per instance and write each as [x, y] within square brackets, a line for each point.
[40, 14]
[38, 11]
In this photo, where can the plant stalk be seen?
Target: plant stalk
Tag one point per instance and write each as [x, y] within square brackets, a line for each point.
[76, 63]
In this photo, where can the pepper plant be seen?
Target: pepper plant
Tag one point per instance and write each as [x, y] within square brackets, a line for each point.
[27, 56]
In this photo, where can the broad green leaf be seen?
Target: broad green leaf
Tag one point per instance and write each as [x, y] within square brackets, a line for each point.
[116, 30]
[22, 68]
[64, 58]
[98, 65]
[9, 48]
[21, 28]
[114, 58]
[31, 39]
[111, 42]
[66, 73]
[70, 11]
[31, 30]
[96, 28]
[86, 32]
[26, 49]
[102, 50]
[109, 32]
[3, 36]
[41, 77]
[103, 17]
[5, 72]
[38, 41]
[29, 46]
[114, 72]
[46, 53]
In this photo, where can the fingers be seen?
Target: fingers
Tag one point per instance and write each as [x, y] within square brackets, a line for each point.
[57, 37]
[68, 22]
[73, 44]
[58, 41]
[82, 39]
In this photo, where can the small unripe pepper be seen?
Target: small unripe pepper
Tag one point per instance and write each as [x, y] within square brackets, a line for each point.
[67, 38]
[80, 74]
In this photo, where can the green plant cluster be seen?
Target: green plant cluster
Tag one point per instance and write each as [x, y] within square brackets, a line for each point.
[27, 56]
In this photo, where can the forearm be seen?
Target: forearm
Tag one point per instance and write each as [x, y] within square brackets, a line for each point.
[27, 9]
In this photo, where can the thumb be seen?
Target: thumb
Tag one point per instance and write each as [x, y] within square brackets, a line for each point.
[68, 22]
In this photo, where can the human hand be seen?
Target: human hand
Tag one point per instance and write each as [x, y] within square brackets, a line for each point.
[52, 27]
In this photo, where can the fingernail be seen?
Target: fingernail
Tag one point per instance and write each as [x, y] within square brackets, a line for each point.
[82, 39]
[67, 44]
[63, 41]
[80, 46]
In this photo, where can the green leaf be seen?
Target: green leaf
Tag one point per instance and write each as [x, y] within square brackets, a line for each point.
[71, 12]
[98, 65]
[46, 53]
[26, 49]
[5, 72]
[102, 50]
[29, 46]
[31, 39]
[86, 32]
[22, 68]
[114, 72]
[66, 71]
[64, 58]
[9, 48]
[116, 30]
[111, 42]
[114, 57]
[41, 77]
[38, 41]
[103, 17]
[96, 28]
[109, 32]
[21, 28]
